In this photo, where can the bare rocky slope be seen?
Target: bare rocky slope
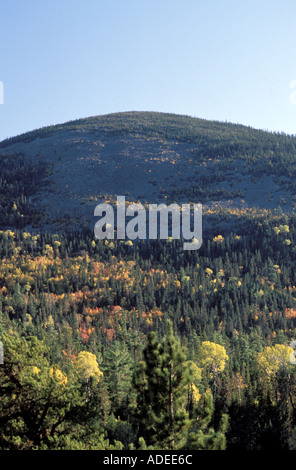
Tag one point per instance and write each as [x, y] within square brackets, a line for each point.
[153, 157]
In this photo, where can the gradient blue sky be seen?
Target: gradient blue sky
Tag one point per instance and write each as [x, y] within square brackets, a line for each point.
[216, 59]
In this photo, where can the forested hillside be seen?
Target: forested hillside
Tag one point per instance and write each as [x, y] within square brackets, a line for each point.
[88, 344]
[134, 345]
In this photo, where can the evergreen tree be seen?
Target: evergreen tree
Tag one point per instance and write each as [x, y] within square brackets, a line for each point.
[118, 368]
[202, 435]
[162, 382]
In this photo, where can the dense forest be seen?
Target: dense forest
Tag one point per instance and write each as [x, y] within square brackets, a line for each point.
[136, 345]
[133, 345]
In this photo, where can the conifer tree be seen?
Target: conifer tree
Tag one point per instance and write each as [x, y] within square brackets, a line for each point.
[117, 368]
[162, 382]
[202, 435]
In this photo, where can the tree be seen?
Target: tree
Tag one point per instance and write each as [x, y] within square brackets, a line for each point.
[274, 358]
[118, 369]
[277, 376]
[162, 381]
[202, 435]
[40, 405]
[171, 411]
[213, 358]
[87, 366]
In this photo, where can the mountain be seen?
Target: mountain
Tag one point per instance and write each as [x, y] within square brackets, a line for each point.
[55, 176]
[84, 324]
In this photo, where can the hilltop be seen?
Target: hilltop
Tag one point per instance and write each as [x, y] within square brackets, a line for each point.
[53, 177]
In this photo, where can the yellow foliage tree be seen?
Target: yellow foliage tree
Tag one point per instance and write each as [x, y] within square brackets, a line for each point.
[196, 395]
[195, 374]
[272, 358]
[87, 366]
[218, 239]
[213, 357]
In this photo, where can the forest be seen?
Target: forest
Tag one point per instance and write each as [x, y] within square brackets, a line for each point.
[139, 345]
[113, 344]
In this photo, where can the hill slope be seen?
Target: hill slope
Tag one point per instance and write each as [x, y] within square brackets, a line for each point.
[54, 177]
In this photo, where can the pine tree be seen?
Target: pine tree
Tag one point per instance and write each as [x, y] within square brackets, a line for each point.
[202, 435]
[117, 368]
[162, 382]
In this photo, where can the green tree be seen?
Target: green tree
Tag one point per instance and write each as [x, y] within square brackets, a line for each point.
[202, 435]
[118, 369]
[162, 381]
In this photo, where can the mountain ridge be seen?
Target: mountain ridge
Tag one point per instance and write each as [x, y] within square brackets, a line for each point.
[103, 118]
[150, 157]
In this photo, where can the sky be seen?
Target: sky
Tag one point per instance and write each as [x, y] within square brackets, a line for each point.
[224, 60]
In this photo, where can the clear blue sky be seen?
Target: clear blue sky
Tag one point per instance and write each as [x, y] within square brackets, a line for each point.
[228, 60]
